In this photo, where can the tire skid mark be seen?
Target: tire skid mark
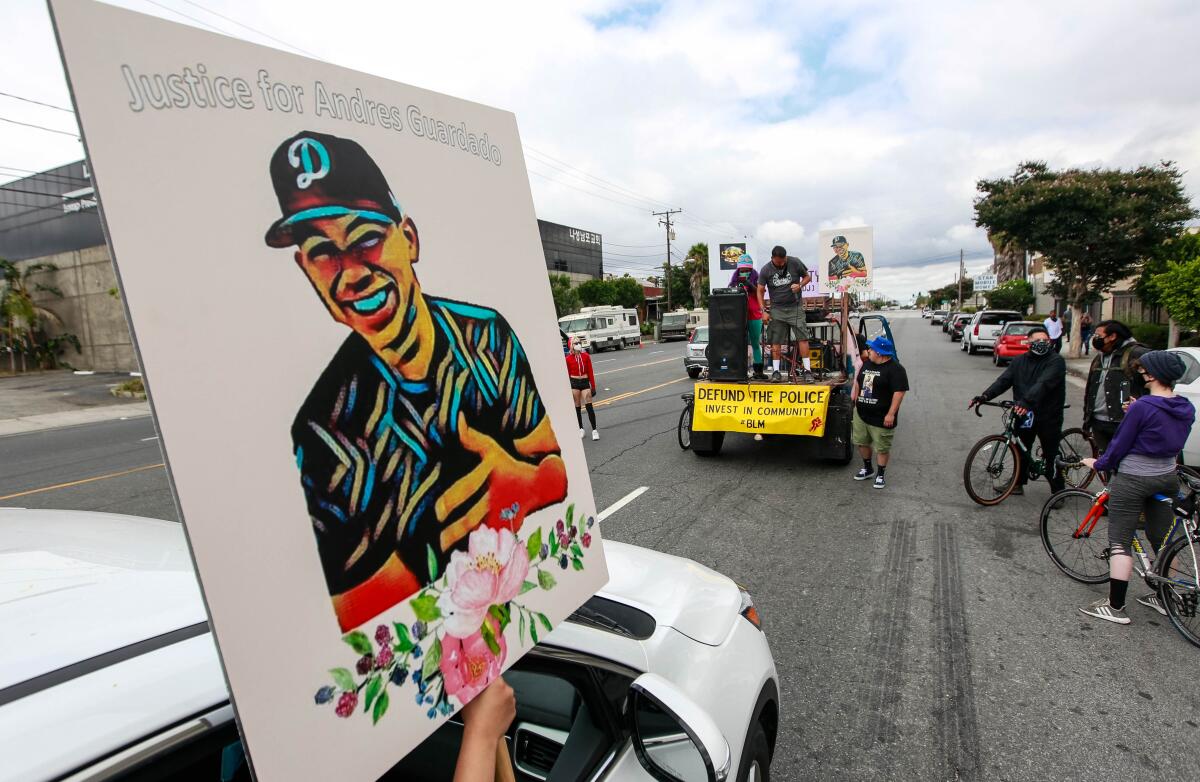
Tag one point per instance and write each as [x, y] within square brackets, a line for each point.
[955, 723]
[888, 633]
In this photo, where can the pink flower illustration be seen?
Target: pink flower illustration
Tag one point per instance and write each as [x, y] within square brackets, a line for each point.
[468, 665]
[489, 573]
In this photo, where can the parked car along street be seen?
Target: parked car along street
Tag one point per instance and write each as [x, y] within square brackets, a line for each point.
[1013, 341]
[1189, 387]
[984, 329]
[958, 325]
[695, 356]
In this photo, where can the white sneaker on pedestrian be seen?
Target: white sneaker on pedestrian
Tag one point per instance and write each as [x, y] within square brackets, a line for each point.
[581, 432]
[1102, 609]
[1152, 601]
[595, 435]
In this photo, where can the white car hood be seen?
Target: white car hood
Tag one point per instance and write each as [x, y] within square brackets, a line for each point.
[679, 593]
[74, 585]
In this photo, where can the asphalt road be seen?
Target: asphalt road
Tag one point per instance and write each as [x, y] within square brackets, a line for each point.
[917, 635]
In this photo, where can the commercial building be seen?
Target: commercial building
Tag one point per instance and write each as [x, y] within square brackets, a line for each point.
[51, 218]
[577, 253]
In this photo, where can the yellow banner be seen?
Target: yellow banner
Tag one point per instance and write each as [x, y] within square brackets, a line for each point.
[760, 409]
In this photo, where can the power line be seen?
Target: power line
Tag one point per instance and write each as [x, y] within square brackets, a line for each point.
[41, 127]
[64, 178]
[36, 102]
[254, 30]
[192, 18]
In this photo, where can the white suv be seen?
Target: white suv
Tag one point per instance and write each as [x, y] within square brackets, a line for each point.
[108, 670]
[984, 329]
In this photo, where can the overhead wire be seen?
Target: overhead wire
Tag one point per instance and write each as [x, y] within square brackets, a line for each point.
[41, 127]
[36, 102]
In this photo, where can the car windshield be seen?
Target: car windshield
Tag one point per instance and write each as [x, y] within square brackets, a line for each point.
[674, 320]
[578, 324]
[1019, 329]
[701, 334]
[997, 318]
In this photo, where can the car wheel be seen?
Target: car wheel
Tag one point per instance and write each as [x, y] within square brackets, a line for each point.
[693, 372]
[758, 763]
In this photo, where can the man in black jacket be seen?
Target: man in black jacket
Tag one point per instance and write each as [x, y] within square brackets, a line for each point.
[1038, 381]
[1112, 384]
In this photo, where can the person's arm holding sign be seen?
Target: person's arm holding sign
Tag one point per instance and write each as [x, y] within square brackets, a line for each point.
[485, 720]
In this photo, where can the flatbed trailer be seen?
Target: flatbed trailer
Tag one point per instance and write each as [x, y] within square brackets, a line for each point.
[819, 411]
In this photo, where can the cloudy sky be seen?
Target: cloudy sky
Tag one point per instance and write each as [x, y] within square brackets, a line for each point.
[766, 120]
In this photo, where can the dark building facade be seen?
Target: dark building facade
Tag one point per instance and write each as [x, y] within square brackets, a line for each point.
[572, 251]
[49, 213]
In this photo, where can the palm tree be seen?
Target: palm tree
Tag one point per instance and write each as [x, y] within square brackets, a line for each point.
[21, 319]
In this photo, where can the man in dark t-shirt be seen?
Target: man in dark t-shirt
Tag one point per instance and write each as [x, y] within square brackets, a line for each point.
[878, 390]
[784, 278]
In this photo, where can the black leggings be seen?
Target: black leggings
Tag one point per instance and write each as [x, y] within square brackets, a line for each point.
[1131, 495]
[1050, 433]
[591, 416]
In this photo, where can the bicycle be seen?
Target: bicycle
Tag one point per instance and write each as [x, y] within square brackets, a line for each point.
[1074, 531]
[990, 472]
[685, 421]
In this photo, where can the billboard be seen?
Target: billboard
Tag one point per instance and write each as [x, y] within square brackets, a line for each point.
[847, 258]
[372, 449]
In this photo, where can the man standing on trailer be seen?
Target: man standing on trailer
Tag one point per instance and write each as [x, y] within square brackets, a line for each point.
[785, 278]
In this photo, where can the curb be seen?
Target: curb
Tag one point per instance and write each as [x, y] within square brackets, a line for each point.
[92, 415]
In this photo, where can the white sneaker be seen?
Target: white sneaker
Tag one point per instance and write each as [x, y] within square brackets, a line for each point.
[1101, 609]
[595, 435]
[581, 432]
[1153, 602]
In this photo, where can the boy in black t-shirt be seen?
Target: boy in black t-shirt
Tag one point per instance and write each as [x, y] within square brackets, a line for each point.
[878, 390]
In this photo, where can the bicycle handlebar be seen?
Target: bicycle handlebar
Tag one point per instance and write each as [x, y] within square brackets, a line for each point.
[1006, 404]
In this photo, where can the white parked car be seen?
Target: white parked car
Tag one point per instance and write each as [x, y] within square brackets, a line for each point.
[1189, 387]
[984, 329]
[108, 670]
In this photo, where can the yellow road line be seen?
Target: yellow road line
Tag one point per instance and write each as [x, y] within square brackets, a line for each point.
[635, 366]
[77, 483]
[628, 394]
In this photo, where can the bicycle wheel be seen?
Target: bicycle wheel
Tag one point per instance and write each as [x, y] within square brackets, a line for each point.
[685, 428]
[1179, 596]
[990, 472]
[1076, 547]
[1076, 445]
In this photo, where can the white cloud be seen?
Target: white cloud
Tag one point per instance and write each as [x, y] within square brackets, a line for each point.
[767, 119]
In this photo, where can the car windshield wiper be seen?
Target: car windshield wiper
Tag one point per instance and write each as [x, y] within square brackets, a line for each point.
[594, 617]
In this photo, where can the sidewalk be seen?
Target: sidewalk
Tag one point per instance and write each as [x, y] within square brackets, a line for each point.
[47, 400]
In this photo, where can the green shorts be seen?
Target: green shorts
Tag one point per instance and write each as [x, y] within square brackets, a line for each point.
[787, 320]
[876, 437]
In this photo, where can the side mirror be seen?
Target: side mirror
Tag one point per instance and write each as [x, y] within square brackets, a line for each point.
[675, 739]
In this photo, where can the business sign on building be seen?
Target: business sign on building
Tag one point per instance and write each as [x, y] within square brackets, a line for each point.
[376, 468]
[985, 281]
[573, 251]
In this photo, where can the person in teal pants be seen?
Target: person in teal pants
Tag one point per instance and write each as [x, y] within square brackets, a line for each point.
[746, 278]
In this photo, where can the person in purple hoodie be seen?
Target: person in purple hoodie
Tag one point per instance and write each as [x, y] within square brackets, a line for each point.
[1142, 454]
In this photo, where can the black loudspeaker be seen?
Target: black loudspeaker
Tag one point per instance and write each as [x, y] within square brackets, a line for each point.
[727, 335]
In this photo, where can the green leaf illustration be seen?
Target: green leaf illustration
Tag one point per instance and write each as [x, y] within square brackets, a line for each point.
[522, 636]
[553, 546]
[343, 679]
[528, 585]
[533, 546]
[431, 562]
[381, 704]
[433, 656]
[577, 564]
[404, 644]
[576, 551]
[570, 514]
[358, 642]
[374, 687]
[533, 630]
[545, 622]
[425, 607]
[546, 580]
[489, 637]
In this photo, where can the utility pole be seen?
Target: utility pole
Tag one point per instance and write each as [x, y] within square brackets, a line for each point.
[666, 221]
[960, 280]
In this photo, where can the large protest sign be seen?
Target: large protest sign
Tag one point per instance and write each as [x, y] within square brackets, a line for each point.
[760, 409]
[847, 258]
[372, 446]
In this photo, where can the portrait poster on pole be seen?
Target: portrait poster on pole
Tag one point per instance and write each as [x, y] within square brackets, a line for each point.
[847, 258]
[371, 446]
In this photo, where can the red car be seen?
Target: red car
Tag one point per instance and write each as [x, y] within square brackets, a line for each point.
[1013, 341]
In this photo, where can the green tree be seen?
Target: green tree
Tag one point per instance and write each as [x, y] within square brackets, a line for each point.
[595, 293]
[1012, 295]
[1093, 227]
[628, 292]
[679, 284]
[566, 299]
[1177, 285]
[23, 323]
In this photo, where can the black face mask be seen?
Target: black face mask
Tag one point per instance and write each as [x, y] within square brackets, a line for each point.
[1098, 343]
[1041, 347]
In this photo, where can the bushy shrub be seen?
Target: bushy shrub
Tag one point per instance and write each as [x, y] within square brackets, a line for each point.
[1150, 334]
